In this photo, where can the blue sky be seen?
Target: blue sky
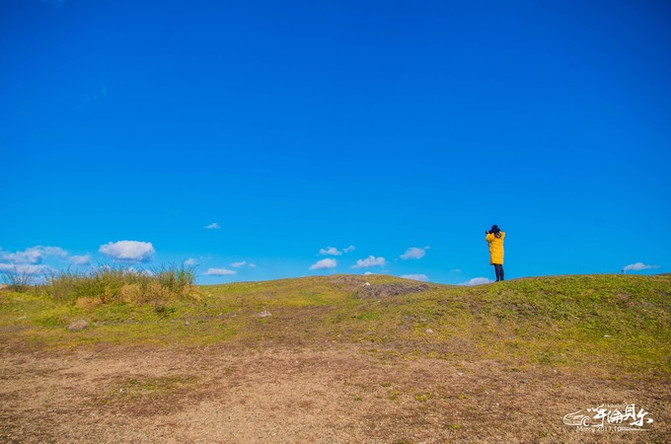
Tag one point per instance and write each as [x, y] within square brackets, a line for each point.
[298, 126]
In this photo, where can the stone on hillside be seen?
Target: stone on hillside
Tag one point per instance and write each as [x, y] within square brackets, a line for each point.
[265, 314]
[78, 325]
[390, 289]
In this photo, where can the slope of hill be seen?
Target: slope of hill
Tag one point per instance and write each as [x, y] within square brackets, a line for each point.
[621, 321]
[341, 359]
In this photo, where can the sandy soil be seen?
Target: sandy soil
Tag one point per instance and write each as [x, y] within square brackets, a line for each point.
[335, 394]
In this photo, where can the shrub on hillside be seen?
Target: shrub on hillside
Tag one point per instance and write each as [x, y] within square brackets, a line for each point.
[16, 280]
[121, 285]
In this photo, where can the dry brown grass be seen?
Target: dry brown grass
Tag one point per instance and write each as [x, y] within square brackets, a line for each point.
[88, 303]
[334, 394]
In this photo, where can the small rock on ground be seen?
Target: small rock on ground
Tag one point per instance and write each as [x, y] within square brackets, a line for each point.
[78, 325]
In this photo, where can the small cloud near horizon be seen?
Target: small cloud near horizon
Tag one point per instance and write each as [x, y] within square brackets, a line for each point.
[128, 251]
[27, 269]
[191, 262]
[416, 277]
[349, 249]
[33, 255]
[414, 253]
[477, 281]
[324, 263]
[638, 266]
[220, 272]
[139, 272]
[213, 226]
[370, 261]
[242, 264]
[81, 260]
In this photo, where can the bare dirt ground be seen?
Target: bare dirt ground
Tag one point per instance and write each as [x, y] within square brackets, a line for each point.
[334, 394]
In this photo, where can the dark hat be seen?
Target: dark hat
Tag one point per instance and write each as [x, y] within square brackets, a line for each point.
[495, 228]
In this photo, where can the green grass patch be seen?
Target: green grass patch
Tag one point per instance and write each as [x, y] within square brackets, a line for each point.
[147, 386]
[607, 321]
[107, 284]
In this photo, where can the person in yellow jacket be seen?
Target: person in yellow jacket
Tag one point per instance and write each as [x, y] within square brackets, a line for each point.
[494, 238]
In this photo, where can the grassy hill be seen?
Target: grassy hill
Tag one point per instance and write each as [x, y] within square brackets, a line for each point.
[614, 322]
[332, 359]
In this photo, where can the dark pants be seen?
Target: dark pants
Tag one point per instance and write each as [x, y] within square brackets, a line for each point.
[498, 269]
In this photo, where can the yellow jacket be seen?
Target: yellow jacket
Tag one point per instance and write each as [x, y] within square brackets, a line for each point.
[495, 248]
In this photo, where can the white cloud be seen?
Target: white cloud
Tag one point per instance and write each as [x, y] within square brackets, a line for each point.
[242, 264]
[89, 99]
[220, 272]
[52, 251]
[133, 270]
[477, 281]
[26, 269]
[191, 262]
[638, 266]
[128, 251]
[416, 277]
[213, 226]
[368, 273]
[414, 253]
[324, 263]
[55, 3]
[333, 251]
[81, 260]
[370, 261]
[455, 270]
[32, 255]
